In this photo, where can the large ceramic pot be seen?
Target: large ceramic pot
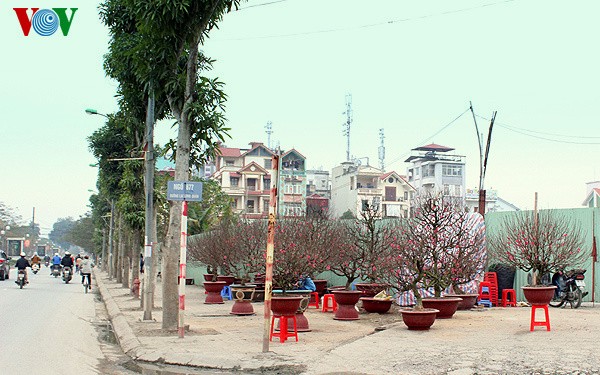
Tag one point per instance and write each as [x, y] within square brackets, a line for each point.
[346, 300]
[419, 319]
[376, 305]
[301, 320]
[370, 289]
[209, 276]
[447, 306]
[321, 286]
[228, 279]
[467, 302]
[539, 295]
[213, 291]
[285, 305]
[242, 296]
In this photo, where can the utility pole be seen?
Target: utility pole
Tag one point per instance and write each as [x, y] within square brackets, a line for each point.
[148, 277]
[381, 150]
[348, 123]
[483, 158]
[269, 131]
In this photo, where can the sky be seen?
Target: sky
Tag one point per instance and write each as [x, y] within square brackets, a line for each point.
[411, 68]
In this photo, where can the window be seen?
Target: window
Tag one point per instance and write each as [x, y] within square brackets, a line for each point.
[457, 190]
[446, 189]
[229, 162]
[292, 189]
[250, 207]
[268, 164]
[235, 181]
[451, 170]
[265, 205]
[267, 184]
[429, 170]
[417, 171]
[406, 195]
[233, 203]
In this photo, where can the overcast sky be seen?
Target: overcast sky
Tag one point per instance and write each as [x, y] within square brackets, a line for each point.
[411, 68]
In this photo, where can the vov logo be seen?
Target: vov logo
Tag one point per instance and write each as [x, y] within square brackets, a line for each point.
[45, 22]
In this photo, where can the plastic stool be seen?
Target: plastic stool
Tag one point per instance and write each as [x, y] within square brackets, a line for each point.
[326, 306]
[226, 292]
[509, 297]
[283, 333]
[314, 300]
[543, 323]
[484, 294]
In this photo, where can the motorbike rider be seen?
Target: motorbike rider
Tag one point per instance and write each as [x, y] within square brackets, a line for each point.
[35, 259]
[67, 260]
[22, 264]
[78, 260]
[47, 260]
[56, 260]
[86, 270]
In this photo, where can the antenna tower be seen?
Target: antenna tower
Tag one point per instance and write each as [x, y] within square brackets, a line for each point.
[346, 130]
[269, 131]
[381, 150]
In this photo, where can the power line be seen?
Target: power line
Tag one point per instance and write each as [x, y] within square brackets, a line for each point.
[544, 135]
[365, 26]
[262, 4]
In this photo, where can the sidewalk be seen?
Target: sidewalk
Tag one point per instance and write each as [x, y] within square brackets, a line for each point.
[482, 341]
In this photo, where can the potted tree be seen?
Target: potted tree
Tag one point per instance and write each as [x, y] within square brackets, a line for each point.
[538, 243]
[206, 248]
[454, 242]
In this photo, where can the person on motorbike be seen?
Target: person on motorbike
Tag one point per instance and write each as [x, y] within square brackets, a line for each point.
[558, 279]
[55, 262]
[67, 260]
[86, 270]
[47, 260]
[22, 265]
[35, 259]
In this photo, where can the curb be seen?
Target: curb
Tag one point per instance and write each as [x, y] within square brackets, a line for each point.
[127, 339]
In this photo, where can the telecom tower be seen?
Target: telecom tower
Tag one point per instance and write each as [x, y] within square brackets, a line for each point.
[269, 131]
[381, 150]
[346, 130]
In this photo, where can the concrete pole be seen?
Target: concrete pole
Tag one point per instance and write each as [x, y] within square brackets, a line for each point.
[148, 279]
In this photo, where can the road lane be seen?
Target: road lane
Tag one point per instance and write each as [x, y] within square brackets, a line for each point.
[47, 323]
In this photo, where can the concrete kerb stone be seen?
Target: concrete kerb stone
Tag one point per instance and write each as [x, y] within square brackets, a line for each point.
[127, 339]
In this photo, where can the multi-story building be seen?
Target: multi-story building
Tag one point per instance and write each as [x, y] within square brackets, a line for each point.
[245, 176]
[318, 182]
[354, 186]
[493, 203]
[433, 170]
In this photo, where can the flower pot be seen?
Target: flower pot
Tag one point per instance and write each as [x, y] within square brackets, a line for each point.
[370, 289]
[208, 276]
[213, 291]
[242, 295]
[346, 300]
[321, 286]
[301, 320]
[419, 319]
[285, 305]
[376, 305]
[447, 306]
[228, 279]
[539, 295]
[467, 300]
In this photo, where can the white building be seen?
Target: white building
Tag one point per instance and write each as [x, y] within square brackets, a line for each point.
[592, 198]
[493, 203]
[353, 186]
[434, 170]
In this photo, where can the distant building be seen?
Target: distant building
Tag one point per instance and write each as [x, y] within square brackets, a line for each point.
[493, 203]
[434, 170]
[353, 186]
[592, 198]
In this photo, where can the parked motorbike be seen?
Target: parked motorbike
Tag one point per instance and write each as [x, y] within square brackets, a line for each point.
[67, 274]
[570, 288]
[56, 270]
[20, 279]
[35, 268]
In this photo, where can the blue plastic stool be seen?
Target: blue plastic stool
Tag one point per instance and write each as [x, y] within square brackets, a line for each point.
[226, 292]
[486, 292]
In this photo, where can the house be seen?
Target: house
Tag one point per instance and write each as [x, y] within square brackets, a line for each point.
[245, 176]
[493, 203]
[354, 186]
[592, 198]
[434, 170]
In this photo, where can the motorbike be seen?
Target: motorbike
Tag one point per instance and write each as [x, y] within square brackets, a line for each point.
[570, 288]
[35, 268]
[46, 263]
[20, 279]
[67, 274]
[55, 270]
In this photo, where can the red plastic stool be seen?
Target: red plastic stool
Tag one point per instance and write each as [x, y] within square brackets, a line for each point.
[509, 297]
[283, 333]
[485, 297]
[543, 323]
[326, 306]
[314, 300]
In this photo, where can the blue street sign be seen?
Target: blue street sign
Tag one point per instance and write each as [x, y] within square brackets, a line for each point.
[184, 191]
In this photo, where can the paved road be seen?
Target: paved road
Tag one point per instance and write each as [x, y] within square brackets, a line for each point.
[50, 321]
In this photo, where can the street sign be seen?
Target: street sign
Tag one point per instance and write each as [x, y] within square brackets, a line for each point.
[184, 191]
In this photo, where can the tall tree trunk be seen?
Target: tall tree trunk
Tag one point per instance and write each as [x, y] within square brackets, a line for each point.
[126, 258]
[136, 250]
[120, 249]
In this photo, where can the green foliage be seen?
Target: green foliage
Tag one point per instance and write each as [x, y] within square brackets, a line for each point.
[81, 233]
[214, 208]
[60, 231]
[347, 215]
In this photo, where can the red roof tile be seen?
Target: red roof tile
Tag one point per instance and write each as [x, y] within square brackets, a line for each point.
[231, 152]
